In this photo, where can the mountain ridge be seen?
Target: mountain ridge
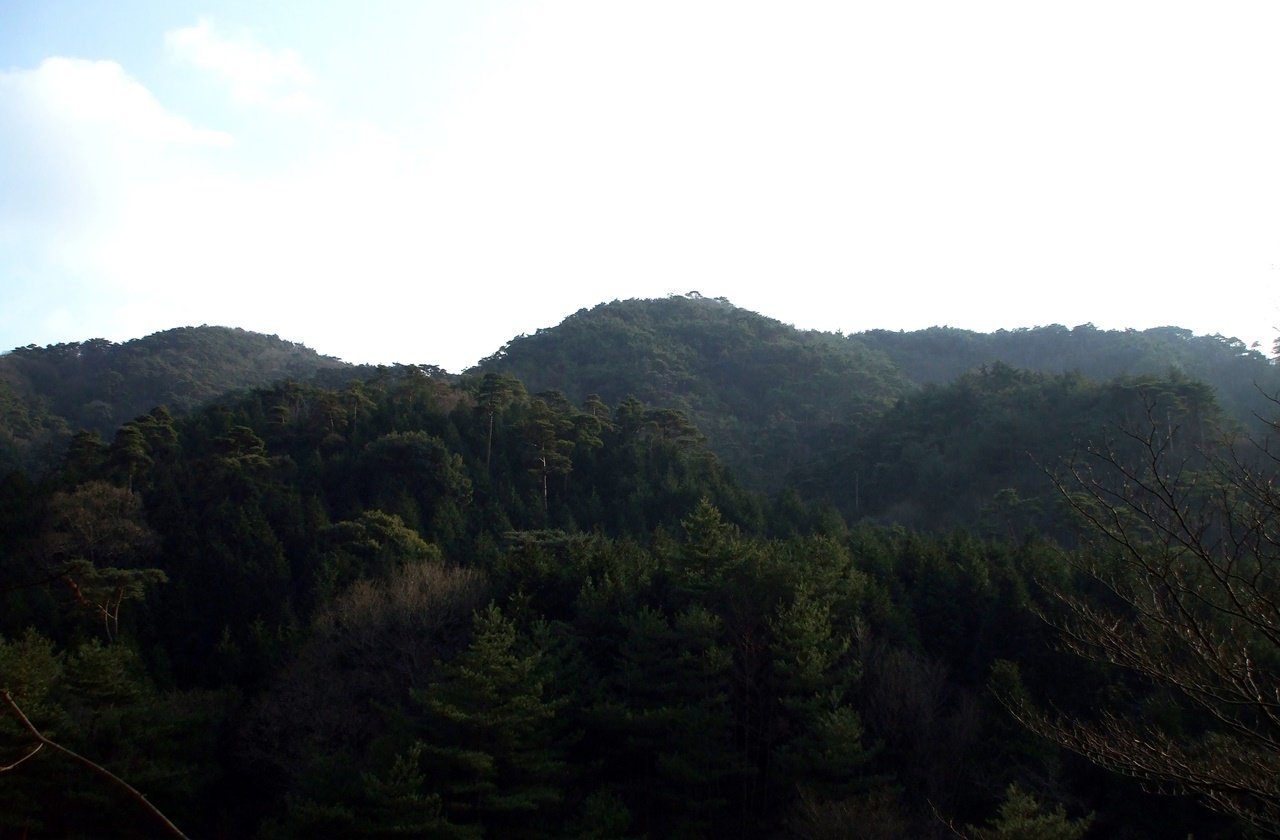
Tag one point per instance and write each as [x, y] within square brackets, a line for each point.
[769, 396]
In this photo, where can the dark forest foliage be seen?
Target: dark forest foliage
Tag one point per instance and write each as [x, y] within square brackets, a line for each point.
[762, 391]
[48, 392]
[408, 604]
[1242, 377]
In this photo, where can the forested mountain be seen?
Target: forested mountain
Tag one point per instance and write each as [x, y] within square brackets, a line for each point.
[396, 603]
[1241, 376]
[980, 451]
[763, 392]
[775, 401]
[47, 393]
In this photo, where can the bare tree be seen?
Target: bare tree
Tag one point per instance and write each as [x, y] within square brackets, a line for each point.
[1181, 586]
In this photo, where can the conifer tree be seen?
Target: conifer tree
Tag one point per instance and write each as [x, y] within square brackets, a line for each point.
[491, 743]
[95, 544]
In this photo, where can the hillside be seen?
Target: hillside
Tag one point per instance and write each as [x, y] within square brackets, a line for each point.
[776, 402]
[778, 405]
[398, 603]
[763, 392]
[978, 452]
[46, 393]
[1242, 377]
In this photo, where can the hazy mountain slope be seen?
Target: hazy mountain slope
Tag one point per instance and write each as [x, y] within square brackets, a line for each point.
[1240, 376]
[762, 391]
[46, 392]
[777, 402]
[979, 451]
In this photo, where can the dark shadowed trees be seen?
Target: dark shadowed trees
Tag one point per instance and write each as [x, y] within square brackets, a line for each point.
[1181, 587]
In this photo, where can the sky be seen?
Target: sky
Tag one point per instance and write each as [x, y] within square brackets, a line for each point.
[421, 181]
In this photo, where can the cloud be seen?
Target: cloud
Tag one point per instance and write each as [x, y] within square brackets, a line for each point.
[79, 140]
[851, 170]
[97, 98]
[256, 75]
[72, 134]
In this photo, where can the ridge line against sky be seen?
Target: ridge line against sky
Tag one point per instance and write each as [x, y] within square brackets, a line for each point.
[420, 182]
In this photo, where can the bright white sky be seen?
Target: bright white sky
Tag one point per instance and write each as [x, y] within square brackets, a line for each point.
[421, 181]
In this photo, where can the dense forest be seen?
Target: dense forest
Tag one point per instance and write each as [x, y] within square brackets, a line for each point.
[48, 393]
[668, 569]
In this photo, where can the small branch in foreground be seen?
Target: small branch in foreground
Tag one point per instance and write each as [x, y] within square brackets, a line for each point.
[6, 768]
[133, 792]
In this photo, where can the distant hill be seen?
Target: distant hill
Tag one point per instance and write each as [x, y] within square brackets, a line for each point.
[773, 399]
[977, 452]
[1242, 377]
[763, 392]
[775, 402]
[46, 393]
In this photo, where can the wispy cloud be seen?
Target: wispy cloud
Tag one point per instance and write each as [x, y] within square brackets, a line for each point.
[134, 219]
[256, 75]
[98, 97]
[73, 134]
[79, 140]
[862, 171]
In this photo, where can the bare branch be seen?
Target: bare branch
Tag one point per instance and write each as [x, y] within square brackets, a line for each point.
[129, 789]
[6, 768]
[1184, 547]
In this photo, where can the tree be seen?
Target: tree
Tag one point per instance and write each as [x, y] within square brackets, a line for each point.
[93, 706]
[325, 716]
[41, 741]
[496, 392]
[86, 454]
[1181, 587]
[548, 432]
[95, 539]
[415, 476]
[1022, 817]
[491, 732]
[373, 545]
[128, 454]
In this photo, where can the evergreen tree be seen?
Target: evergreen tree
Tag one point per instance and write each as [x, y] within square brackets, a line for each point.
[1022, 817]
[491, 744]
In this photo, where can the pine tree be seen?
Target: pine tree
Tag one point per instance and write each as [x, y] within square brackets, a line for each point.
[491, 742]
[1022, 817]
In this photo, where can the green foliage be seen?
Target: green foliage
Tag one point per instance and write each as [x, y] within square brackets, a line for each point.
[96, 545]
[373, 545]
[758, 389]
[334, 713]
[1241, 376]
[30, 431]
[490, 740]
[399, 804]
[976, 451]
[98, 701]
[98, 385]
[674, 655]
[1022, 817]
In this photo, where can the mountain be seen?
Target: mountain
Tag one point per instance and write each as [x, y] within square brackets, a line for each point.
[388, 602]
[763, 392]
[1241, 376]
[48, 392]
[778, 403]
[978, 451]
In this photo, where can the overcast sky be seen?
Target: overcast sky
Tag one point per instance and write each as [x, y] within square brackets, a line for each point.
[422, 181]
